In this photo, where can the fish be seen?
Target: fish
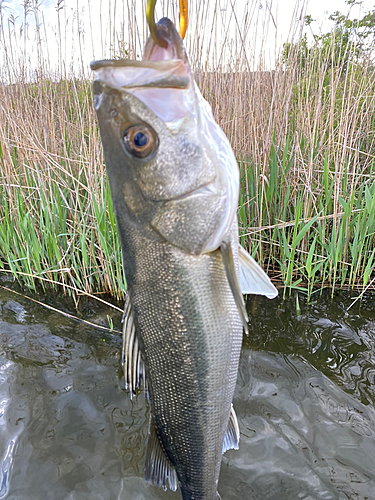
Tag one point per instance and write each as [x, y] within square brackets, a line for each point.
[174, 183]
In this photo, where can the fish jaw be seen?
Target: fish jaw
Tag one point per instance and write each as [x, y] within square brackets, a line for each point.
[175, 47]
[192, 160]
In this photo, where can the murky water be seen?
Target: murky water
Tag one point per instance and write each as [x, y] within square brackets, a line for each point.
[305, 402]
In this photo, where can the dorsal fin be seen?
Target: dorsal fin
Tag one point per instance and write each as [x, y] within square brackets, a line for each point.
[252, 278]
[227, 254]
[158, 467]
[131, 356]
[232, 435]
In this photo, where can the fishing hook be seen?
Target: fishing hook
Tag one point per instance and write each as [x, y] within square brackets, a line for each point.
[150, 16]
[184, 18]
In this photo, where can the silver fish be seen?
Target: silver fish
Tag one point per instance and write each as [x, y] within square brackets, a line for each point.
[174, 184]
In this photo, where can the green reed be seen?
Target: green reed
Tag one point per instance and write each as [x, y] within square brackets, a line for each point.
[58, 227]
[313, 249]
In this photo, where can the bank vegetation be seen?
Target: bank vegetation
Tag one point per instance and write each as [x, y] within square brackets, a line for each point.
[303, 133]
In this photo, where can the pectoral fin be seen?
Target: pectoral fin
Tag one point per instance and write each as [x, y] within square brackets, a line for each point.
[232, 435]
[226, 252]
[158, 467]
[131, 356]
[252, 278]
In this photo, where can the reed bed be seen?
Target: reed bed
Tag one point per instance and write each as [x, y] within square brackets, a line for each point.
[303, 133]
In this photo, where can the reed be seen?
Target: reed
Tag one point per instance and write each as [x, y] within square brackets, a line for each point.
[303, 133]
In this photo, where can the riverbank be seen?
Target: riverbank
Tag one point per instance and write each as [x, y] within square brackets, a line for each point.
[304, 138]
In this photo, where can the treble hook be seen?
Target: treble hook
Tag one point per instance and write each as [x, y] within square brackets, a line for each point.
[150, 16]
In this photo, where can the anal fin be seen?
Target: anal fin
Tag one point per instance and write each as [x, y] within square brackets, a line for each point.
[252, 278]
[227, 254]
[131, 356]
[232, 435]
[158, 467]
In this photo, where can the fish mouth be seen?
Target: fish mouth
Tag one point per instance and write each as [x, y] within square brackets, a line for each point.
[166, 30]
[160, 67]
[163, 75]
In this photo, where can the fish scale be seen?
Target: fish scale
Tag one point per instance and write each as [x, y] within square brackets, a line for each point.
[189, 340]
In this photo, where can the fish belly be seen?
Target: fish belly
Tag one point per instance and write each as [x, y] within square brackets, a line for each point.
[190, 336]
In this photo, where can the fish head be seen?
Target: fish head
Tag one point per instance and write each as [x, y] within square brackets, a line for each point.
[171, 169]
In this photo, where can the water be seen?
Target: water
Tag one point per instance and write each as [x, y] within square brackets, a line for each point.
[304, 399]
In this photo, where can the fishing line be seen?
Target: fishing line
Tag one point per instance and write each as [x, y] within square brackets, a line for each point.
[71, 316]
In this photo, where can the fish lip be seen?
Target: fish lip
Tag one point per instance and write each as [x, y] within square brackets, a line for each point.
[172, 62]
[168, 32]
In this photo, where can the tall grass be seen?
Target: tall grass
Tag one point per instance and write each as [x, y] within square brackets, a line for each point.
[57, 221]
[303, 135]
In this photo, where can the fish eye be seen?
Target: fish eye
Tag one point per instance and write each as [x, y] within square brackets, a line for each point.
[140, 141]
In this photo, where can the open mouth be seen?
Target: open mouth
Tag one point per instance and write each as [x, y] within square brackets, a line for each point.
[163, 76]
[129, 74]
[174, 45]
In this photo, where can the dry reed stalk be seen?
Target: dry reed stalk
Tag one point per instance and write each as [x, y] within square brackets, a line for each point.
[304, 136]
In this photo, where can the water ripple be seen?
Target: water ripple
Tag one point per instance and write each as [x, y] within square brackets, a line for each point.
[302, 436]
[68, 431]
